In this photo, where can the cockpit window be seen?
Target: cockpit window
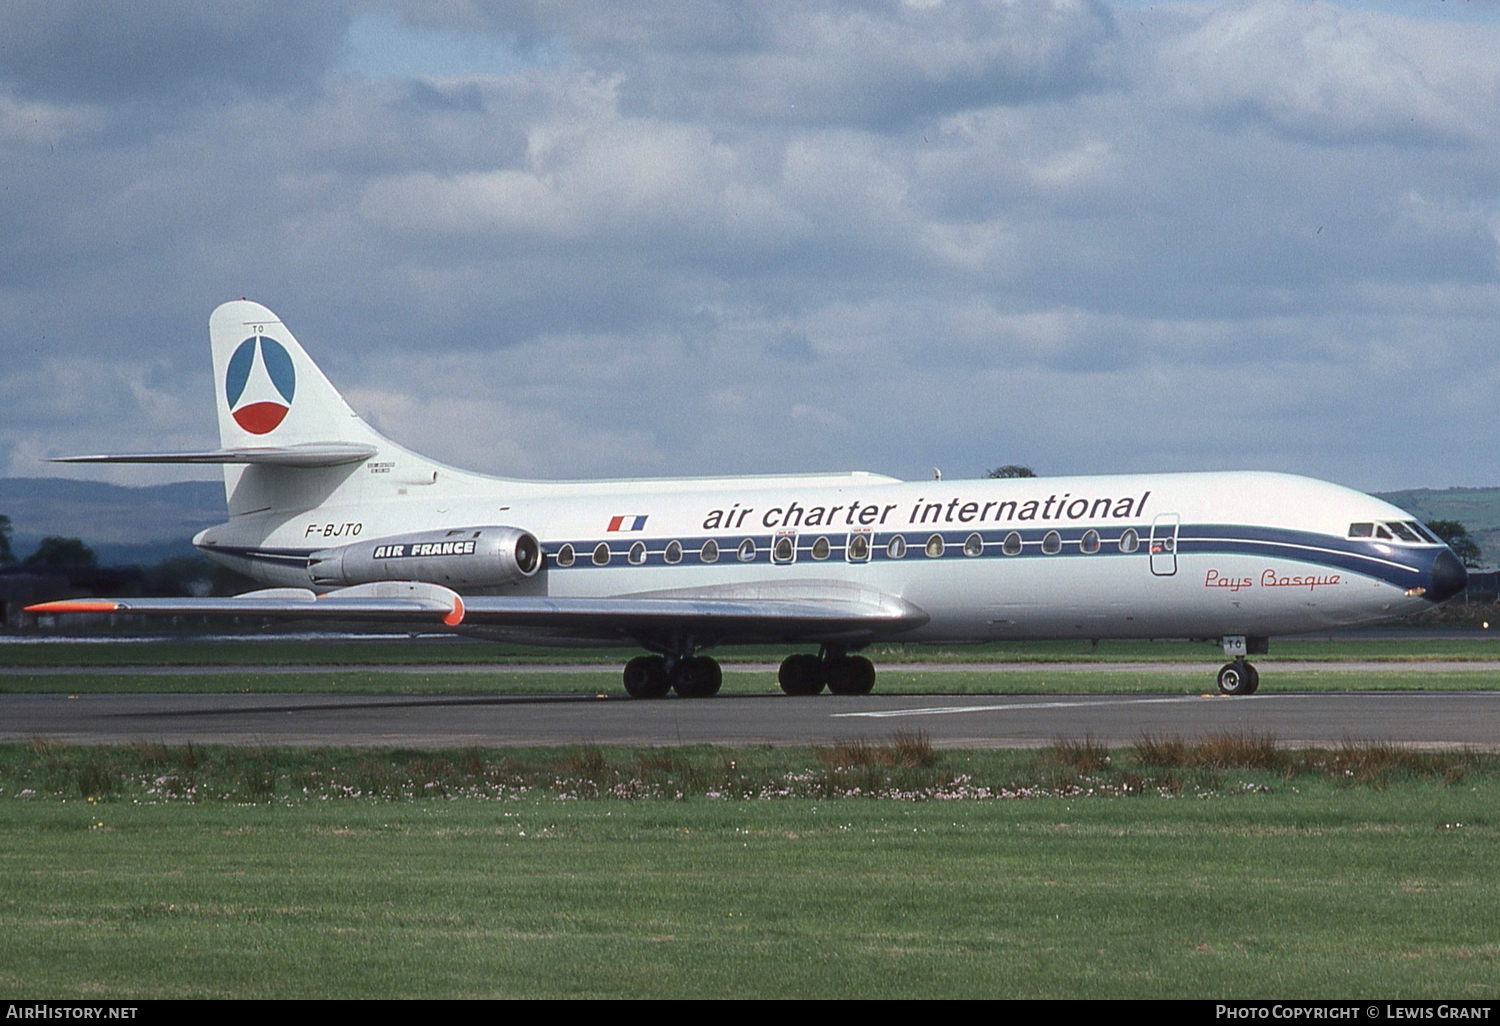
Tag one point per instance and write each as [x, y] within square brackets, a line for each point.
[1401, 531]
[1424, 532]
[1395, 530]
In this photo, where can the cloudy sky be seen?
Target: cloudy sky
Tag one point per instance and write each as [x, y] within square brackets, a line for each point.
[647, 237]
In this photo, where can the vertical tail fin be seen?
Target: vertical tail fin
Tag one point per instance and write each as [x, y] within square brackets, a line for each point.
[270, 394]
[268, 389]
[288, 441]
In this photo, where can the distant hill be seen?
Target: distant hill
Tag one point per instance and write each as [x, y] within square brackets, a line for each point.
[122, 525]
[1478, 509]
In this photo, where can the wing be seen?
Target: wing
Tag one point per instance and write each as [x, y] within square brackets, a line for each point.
[854, 617]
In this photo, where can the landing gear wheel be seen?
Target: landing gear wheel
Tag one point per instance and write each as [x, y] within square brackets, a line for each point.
[801, 674]
[646, 677]
[697, 677]
[1238, 678]
[851, 675]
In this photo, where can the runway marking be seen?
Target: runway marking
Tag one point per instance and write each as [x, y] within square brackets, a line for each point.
[940, 710]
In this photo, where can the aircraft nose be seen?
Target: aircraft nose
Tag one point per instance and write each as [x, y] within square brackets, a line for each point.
[1448, 577]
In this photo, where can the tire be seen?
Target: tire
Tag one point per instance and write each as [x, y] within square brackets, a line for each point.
[646, 677]
[851, 675]
[801, 674]
[697, 677]
[1238, 678]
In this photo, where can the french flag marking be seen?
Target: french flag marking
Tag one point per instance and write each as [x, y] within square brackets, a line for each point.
[627, 523]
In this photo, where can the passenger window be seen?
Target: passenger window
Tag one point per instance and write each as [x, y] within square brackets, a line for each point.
[1129, 540]
[973, 545]
[934, 546]
[709, 553]
[601, 554]
[746, 553]
[857, 548]
[565, 555]
[1052, 543]
[637, 553]
[896, 547]
[785, 550]
[1089, 542]
[673, 552]
[821, 549]
[1012, 545]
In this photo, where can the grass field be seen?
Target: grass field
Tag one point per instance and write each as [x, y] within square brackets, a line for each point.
[1225, 869]
[272, 651]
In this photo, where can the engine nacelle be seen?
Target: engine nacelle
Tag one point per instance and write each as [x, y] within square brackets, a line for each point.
[475, 557]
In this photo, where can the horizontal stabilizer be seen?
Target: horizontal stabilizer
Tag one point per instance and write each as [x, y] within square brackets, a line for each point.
[307, 454]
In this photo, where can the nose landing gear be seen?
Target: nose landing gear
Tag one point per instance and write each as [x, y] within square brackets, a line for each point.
[1238, 678]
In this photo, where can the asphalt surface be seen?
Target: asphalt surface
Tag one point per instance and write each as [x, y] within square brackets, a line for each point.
[1427, 719]
[1205, 670]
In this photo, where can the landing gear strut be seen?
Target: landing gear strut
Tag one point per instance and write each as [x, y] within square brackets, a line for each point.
[841, 673]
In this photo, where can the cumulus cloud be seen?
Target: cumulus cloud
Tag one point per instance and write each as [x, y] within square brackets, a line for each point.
[1330, 74]
[720, 237]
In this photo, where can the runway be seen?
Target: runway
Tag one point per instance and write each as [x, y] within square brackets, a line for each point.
[1206, 670]
[1427, 719]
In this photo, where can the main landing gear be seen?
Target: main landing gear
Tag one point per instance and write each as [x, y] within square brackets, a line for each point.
[1239, 677]
[690, 676]
[652, 676]
[841, 673]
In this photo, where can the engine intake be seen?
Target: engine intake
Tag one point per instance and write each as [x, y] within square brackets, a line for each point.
[475, 557]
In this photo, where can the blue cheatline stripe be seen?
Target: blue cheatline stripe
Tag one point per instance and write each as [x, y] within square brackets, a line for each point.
[276, 557]
[1398, 566]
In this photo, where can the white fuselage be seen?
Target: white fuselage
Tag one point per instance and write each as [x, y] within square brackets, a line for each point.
[1213, 554]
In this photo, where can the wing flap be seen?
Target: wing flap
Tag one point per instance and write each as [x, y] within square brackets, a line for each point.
[739, 619]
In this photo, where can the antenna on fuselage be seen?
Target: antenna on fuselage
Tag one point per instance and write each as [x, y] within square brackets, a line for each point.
[937, 475]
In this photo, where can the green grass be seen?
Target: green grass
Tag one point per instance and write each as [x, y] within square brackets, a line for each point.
[275, 652]
[1226, 869]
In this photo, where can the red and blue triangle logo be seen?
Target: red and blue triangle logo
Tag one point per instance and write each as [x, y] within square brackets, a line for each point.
[260, 401]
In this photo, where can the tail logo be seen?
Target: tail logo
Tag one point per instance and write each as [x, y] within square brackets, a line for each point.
[260, 391]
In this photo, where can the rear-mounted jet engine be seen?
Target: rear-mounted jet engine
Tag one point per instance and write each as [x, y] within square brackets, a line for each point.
[476, 557]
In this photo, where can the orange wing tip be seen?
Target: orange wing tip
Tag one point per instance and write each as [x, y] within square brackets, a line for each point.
[75, 606]
[456, 617]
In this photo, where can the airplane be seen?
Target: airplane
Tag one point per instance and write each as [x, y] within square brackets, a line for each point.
[344, 525]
